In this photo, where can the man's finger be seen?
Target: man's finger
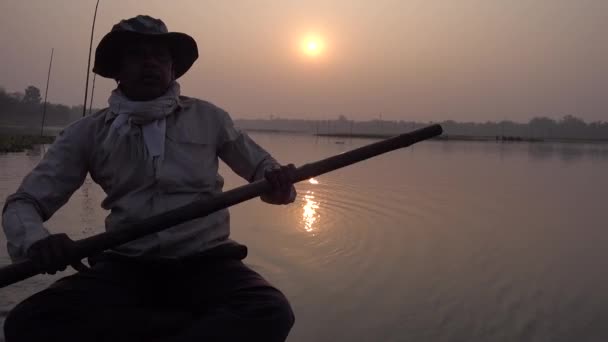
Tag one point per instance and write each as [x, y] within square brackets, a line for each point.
[290, 175]
[271, 177]
[60, 256]
[45, 257]
[291, 172]
[80, 267]
[56, 247]
[293, 193]
[281, 181]
[284, 179]
[286, 196]
[34, 255]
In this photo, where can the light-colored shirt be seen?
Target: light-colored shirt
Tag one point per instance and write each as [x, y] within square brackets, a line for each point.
[196, 135]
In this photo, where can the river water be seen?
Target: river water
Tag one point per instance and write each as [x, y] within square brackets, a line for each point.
[443, 241]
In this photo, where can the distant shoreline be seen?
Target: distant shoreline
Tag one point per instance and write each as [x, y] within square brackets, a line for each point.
[444, 137]
[20, 143]
[19, 138]
[16, 130]
[506, 139]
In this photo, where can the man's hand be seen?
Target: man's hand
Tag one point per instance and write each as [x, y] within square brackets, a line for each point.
[281, 179]
[53, 253]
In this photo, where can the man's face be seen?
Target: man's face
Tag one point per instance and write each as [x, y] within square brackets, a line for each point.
[146, 70]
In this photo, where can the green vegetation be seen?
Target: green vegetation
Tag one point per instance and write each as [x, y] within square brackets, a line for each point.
[444, 137]
[18, 143]
[24, 111]
[569, 128]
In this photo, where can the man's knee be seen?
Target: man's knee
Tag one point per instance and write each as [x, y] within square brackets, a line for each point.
[278, 312]
[36, 318]
[18, 324]
[285, 312]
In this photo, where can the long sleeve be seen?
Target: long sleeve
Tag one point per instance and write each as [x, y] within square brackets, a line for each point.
[45, 189]
[241, 153]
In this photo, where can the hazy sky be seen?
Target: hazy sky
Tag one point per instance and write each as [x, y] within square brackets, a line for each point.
[404, 59]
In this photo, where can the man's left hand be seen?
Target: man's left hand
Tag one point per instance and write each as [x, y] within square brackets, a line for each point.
[281, 179]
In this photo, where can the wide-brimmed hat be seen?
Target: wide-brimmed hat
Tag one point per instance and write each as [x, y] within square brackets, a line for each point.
[109, 51]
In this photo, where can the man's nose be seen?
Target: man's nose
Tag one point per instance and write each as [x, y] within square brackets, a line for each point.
[150, 59]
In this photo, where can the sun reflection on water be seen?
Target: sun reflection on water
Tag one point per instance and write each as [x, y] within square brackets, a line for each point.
[309, 210]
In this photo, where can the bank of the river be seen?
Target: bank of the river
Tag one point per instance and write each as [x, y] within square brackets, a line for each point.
[18, 143]
[443, 137]
[468, 138]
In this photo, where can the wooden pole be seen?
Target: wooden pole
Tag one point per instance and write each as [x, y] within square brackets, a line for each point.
[98, 243]
[92, 94]
[46, 92]
[86, 85]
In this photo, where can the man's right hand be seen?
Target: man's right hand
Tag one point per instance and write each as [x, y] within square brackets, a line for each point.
[54, 253]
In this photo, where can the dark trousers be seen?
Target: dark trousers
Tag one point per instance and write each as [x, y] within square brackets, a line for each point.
[217, 299]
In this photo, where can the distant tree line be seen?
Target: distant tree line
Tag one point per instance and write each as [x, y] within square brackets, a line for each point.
[569, 127]
[25, 109]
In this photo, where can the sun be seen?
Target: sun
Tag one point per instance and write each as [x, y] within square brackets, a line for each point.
[312, 46]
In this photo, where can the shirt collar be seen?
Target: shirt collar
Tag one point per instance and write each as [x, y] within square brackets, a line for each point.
[111, 115]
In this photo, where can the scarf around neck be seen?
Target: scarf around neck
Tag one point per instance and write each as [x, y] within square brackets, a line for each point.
[147, 117]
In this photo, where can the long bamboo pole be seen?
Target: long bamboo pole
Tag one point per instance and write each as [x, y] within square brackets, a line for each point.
[86, 85]
[46, 92]
[92, 94]
[98, 243]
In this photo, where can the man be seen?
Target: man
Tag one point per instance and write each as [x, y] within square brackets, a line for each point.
[151, 151]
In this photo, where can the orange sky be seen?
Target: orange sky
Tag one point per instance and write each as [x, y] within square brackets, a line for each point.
[420, 59]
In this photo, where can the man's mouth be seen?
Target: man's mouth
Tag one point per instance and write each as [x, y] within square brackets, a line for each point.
[150, 77]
